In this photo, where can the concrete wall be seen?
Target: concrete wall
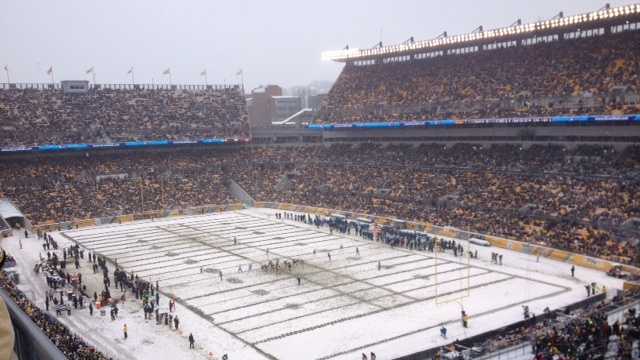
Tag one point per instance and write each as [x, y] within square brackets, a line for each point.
[619, 136]
[554, 131]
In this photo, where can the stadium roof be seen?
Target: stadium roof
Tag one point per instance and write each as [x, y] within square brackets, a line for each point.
[605, 15]
[8, 210]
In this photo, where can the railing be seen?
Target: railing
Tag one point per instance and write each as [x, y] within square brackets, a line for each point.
[5, 229]
[58, 86]
[30, 341]
[521, 351]
[619, 313]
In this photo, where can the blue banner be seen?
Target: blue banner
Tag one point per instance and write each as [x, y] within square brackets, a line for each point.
[138, 144]
[565, 119]
[211, 141]
[124, 145]
[76, 147]
[16, 149]
[104, 146]
[415, 123]
[440, 123]
[378, 125]
[49, 148]
[184, 142]
[612, 117]
[572, 119]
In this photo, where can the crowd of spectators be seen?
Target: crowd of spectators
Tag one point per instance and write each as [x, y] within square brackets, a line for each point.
[587, 332]
[596, 75]
[582, 200]
[71, 345]
[591, 335]
[80, 187]
[31, 117]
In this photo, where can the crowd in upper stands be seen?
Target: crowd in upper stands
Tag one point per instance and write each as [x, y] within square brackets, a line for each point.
[596, 75]
[71, 345]
[31, 117]
[81, 187]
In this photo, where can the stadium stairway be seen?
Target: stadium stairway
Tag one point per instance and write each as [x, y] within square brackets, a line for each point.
[240, 194]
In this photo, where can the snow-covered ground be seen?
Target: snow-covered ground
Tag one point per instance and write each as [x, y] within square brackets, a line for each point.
[343, 306]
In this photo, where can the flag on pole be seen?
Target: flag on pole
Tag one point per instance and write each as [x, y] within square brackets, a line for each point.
[239, 72]
[204, 72]
[89, 70]
[167, 72]
[50, 71]
[130, 70]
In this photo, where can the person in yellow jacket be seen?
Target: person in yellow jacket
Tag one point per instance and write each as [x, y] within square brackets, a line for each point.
[6, 333]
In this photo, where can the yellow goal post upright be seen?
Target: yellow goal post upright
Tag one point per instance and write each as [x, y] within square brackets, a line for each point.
[444, 287]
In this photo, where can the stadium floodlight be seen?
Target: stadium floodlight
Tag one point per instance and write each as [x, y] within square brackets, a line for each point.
[339, 54]
[558, 21]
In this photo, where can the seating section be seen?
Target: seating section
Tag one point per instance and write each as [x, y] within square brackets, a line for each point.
[31, 117]
[595, 75]
[63, 189]
[583, 200]
[579, 200]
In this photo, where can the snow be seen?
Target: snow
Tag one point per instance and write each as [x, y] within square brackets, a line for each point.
[344, 305]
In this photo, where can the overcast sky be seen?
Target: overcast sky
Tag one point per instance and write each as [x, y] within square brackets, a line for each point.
[274, 42]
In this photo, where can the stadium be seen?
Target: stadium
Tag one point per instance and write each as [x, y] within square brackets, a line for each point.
[471, 196]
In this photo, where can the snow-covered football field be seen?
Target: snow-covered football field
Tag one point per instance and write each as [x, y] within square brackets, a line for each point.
[345, 304]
